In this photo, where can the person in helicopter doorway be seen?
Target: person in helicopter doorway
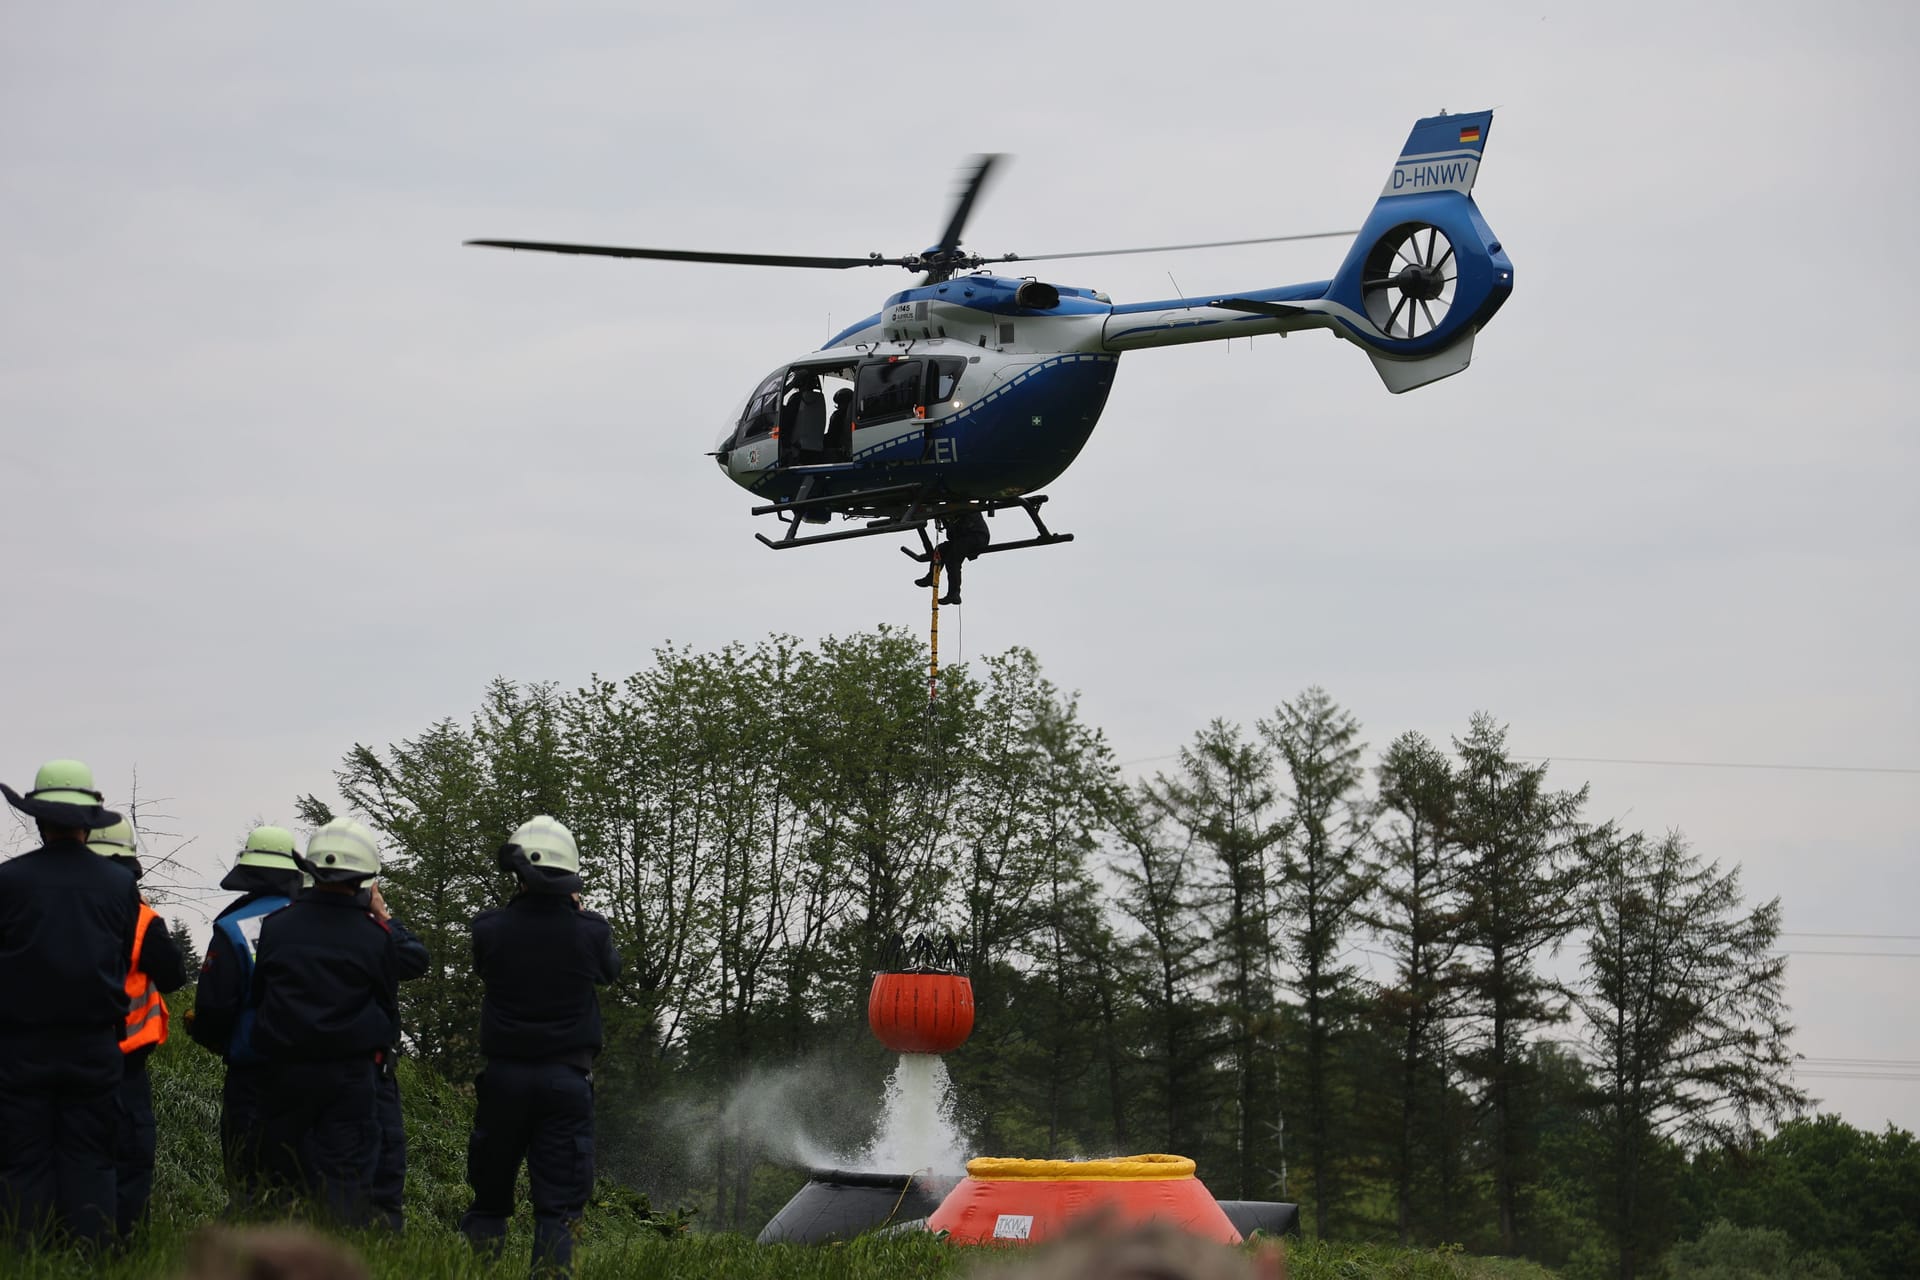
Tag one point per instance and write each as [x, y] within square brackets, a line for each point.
[804, 422]
[157, 967]
[967, 537]
[840, 427]
[538, 959]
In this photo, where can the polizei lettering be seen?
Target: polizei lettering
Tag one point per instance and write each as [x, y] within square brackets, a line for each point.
[1418, 175]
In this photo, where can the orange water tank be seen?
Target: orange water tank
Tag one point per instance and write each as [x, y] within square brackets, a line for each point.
[1021, 1201]
[921, 1012]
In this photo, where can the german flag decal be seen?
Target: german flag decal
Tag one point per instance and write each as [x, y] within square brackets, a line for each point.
[1470, 134]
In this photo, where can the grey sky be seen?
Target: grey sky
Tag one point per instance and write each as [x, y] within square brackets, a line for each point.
[288, 468]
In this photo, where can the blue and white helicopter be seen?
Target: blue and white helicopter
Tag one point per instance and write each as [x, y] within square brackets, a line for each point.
[974, 391]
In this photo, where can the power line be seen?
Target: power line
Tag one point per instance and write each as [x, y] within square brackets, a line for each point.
[1726, 764]
[1880, 955]
[1666, 764]
[1877, 937]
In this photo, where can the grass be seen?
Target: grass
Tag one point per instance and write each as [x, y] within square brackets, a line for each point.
[620, 1237]
[439, 1252]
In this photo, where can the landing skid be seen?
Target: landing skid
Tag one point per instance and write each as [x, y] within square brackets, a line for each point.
[1043, 537]
[897, 509]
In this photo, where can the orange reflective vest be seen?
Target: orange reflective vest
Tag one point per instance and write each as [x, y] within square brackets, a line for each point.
[146, 1011]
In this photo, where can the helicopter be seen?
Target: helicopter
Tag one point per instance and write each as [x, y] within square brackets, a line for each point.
[971, 391]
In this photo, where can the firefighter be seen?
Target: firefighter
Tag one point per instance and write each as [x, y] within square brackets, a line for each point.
[967, 537]
[326, 986]
[267, 878]
[157, 968]
[390, 1167]
[67, 923]
[539, 959]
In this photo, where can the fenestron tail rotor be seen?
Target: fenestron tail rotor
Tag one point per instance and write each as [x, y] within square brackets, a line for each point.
[1408, 281]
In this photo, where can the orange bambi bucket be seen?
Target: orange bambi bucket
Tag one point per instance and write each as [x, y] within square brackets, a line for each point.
[1022, 1201]
[921, 1011]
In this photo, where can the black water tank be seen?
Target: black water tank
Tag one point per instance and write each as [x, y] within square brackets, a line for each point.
[838, 1205]
[1269, 1217]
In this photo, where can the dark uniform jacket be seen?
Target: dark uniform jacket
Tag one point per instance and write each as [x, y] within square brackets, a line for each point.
[67, 917]
[326, 981]
[222, 990]
[540, 958]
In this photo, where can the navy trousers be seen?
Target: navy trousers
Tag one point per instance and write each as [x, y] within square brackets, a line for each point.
[134, 1147]
[390, 1169]
[59, 1118]
[241, 1153]
[321, 1138]
[542, 1113]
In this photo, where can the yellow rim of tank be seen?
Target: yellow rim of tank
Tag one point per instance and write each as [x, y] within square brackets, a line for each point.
[1120, 1169]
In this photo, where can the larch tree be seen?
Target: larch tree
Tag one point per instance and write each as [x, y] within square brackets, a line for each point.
[1685, 1018]
[1522, 850]
[1221, 801]
[1322, 877]
[1415, 915]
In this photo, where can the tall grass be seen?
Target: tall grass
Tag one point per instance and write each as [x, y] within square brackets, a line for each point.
[620, 1236]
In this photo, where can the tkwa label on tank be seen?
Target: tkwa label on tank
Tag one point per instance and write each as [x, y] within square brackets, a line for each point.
[1013, 1226]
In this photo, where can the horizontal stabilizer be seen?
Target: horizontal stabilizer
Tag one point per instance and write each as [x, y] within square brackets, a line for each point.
[1405, 375]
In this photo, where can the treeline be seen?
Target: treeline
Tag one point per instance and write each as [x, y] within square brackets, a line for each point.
[1170, 964]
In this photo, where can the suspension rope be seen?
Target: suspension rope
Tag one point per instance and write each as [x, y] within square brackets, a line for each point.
[933, 661]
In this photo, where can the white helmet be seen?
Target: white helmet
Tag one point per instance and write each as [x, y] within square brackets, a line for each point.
[542, 856]
[547, 844]
[342, 852]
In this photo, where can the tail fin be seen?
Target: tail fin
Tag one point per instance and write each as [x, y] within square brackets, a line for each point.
[1425, 273]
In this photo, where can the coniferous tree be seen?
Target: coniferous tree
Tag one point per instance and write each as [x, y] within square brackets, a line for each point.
[1323, 876]
[1416, 916]
[1161, 901]
[1685, 1018]
[183, 941]
[1221, 802]
[1521, 868]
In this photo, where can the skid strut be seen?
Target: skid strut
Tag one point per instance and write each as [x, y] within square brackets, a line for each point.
[1043, 536]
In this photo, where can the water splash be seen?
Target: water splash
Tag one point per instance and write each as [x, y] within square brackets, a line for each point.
[917, 1127]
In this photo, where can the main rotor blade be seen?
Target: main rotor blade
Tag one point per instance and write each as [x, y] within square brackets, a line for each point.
[976, 182]
[1168, 248]
[695, 255]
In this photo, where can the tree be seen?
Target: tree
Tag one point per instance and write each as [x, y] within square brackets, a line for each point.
[1836, 1191]
[1323, 876]
[1160, 899]
[1520, 870]
[1416, 915]
[1685, 1019]
[1219, 801]
[182, 937]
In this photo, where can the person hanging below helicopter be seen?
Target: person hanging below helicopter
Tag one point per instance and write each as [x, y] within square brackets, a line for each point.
[967, 536]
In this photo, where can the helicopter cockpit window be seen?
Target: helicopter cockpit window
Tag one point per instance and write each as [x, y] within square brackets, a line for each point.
[946, 378]
[889, 389]
[763, 408]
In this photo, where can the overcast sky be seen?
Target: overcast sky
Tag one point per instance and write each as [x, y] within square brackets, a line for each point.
[288, 468]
